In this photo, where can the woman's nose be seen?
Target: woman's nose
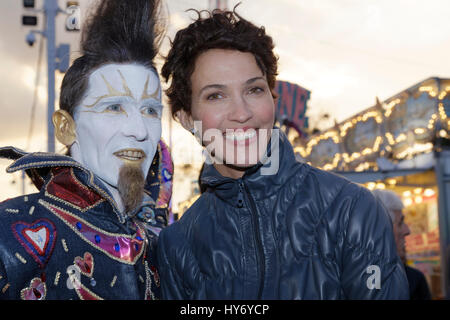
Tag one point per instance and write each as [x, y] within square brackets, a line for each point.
[240, 110]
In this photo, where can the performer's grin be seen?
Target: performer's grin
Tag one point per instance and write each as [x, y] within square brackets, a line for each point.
[134, 155]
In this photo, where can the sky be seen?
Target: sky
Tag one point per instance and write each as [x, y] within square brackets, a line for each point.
[346, 52]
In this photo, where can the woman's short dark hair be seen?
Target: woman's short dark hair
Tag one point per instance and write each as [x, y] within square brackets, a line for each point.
[219, 30]
[116, 32]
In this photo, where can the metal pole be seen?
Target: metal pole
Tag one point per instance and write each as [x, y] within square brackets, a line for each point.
[51, 10]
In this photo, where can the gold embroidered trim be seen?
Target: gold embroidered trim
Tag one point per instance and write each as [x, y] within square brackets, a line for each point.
[64, 244]
[148, 283]
[31, 210]
[5, 287]
[72, 163]
[105, 195]
[41, 164]
[22, 259]
[58, 274]
[51, 196]
[48, 207]
[12, 210]
[81, 286]
[113, 282]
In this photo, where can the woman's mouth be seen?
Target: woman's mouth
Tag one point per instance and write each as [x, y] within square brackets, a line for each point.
[241, 135]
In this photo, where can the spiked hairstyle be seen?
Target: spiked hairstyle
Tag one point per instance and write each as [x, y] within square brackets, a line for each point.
[117, 31]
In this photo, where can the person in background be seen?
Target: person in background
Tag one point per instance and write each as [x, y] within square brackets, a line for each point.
[418, 287]
[267, 226]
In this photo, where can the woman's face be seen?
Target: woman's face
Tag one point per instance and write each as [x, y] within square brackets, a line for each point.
[233, 101]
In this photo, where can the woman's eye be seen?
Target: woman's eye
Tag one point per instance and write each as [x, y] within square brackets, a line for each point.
[114, 108]
[256, 90]
[214, 96]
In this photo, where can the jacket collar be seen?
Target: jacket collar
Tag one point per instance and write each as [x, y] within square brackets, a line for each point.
[261, 180]
[62, 177]
[47, 169]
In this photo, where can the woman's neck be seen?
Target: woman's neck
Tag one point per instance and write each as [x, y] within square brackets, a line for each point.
[229, 171]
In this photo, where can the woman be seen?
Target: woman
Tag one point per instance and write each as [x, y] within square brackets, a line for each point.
[262, 230]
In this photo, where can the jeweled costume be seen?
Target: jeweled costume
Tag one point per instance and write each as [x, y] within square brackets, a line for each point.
[69, 241]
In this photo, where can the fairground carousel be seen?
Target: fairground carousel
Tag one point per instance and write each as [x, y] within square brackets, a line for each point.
[401, 144]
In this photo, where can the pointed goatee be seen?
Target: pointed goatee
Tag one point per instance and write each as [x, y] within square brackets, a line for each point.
[131, 187]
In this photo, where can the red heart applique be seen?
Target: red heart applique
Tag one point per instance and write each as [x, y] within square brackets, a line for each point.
[85, 264]
[36, 291]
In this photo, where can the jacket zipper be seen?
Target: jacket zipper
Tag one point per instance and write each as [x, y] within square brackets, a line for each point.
[254, 213]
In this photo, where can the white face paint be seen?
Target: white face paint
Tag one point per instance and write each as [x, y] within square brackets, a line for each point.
[118, 120]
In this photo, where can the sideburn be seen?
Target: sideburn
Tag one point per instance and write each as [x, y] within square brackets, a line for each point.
[131, 187]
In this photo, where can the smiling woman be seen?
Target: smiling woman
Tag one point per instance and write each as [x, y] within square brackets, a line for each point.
[260, 231]
[234, 97]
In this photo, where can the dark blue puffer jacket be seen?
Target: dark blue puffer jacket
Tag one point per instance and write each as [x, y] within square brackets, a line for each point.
[300, 234]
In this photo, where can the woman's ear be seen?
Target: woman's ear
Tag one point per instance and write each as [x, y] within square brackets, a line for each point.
[64, 127]
[185, 119]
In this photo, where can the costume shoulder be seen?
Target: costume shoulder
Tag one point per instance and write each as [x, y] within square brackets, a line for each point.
[15, 213]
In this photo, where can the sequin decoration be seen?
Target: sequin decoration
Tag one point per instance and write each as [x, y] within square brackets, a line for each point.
[121, 247]
[37, 290]
[86, 264]
[165, 176]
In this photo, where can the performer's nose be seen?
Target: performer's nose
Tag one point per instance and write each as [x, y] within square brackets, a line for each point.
[135, 127]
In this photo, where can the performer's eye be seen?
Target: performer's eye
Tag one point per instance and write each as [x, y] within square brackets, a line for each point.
[150, 111]
[114, 108]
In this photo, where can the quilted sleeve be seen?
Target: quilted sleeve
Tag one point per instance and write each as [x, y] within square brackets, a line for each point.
[371, 268]
[171, 284]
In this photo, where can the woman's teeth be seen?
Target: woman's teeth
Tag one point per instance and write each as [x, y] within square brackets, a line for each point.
[240, 135]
